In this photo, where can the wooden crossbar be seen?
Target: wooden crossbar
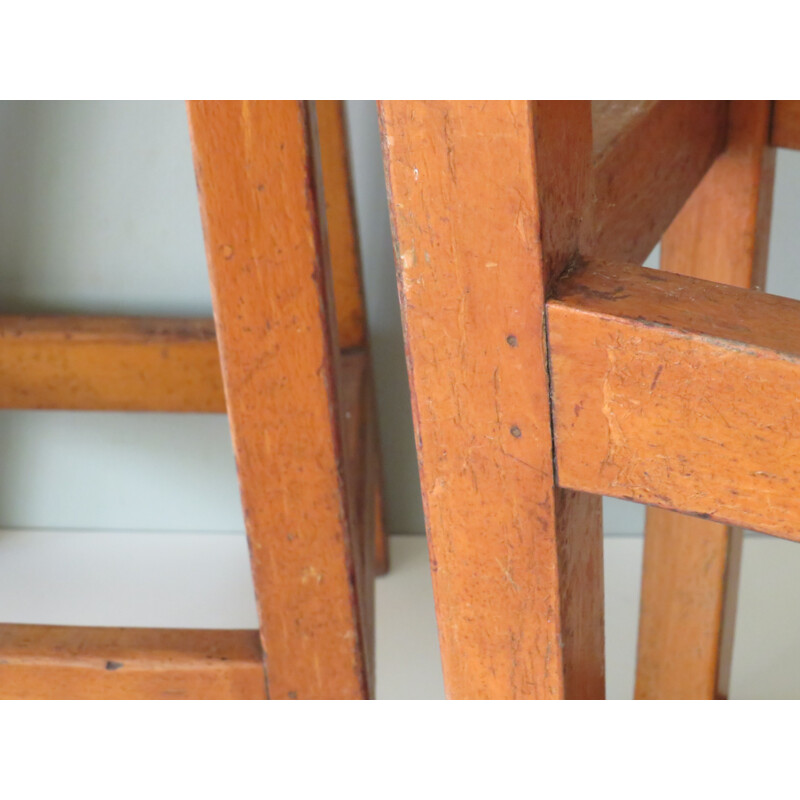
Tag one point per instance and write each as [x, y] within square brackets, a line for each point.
[109, 364]
[93, 363]
[50, 662]
[301, 409]
[690, 566]
[679, 393]
[649, 155]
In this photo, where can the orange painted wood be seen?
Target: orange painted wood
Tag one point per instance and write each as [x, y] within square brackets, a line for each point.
[109, 363]
[45, 662]
[678, 392]
[691, 566]
[148, 364]
[55, 662]
[613, 120]
[341, 221]
[486, 203]
[786, 124]
[687, 614]
[648, 158]
[359, 435]
[347, 269]
[271, 286]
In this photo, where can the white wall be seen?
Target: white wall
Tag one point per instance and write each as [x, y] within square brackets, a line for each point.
[98, 213]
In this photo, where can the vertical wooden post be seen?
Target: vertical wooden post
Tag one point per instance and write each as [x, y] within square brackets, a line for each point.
[256, 165]
[691, 566]
[342, 227]
[486, 204]
[347, 269]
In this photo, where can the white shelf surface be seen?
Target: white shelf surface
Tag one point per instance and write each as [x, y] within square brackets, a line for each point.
[202, 580]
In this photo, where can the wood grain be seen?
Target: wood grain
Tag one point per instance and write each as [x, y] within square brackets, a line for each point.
[486, 203]
[45, 662]
[786, 124]
[359, 437]
[148, 364]
[613, 120]
[271, 287]
[691, 566]
[55, 662]
[341, 223]
[347, 270]
[679, 393]
[648, 158]
[109, 364]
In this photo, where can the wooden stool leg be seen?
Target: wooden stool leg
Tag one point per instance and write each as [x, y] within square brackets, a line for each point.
[691, 566]
[347, 270]
[486, 204]
[270, 277]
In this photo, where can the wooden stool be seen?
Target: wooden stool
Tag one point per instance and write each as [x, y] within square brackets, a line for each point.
[302, 416]
[549, 368]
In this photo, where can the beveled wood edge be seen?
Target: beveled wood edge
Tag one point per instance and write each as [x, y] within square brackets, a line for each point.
[626, 294]
[648, 158]
[60, 662]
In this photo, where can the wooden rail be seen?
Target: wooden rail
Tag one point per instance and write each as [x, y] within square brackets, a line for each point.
[95, 363]
[690, 566]
[109, 364]
[679, 393]
[50, 662]
[649, 155]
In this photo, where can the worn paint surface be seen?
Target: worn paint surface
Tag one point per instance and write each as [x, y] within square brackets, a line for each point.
[487, 204]
[691, 566]
[271, 288]
[679, 393]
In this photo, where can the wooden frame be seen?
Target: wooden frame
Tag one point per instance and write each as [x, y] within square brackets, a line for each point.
[648, 157]
[302, 414]
[46, 662]
[546, 370]
[516, 561]
[513, 228]
[261, 203]
[691, 566]
[648, 403]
